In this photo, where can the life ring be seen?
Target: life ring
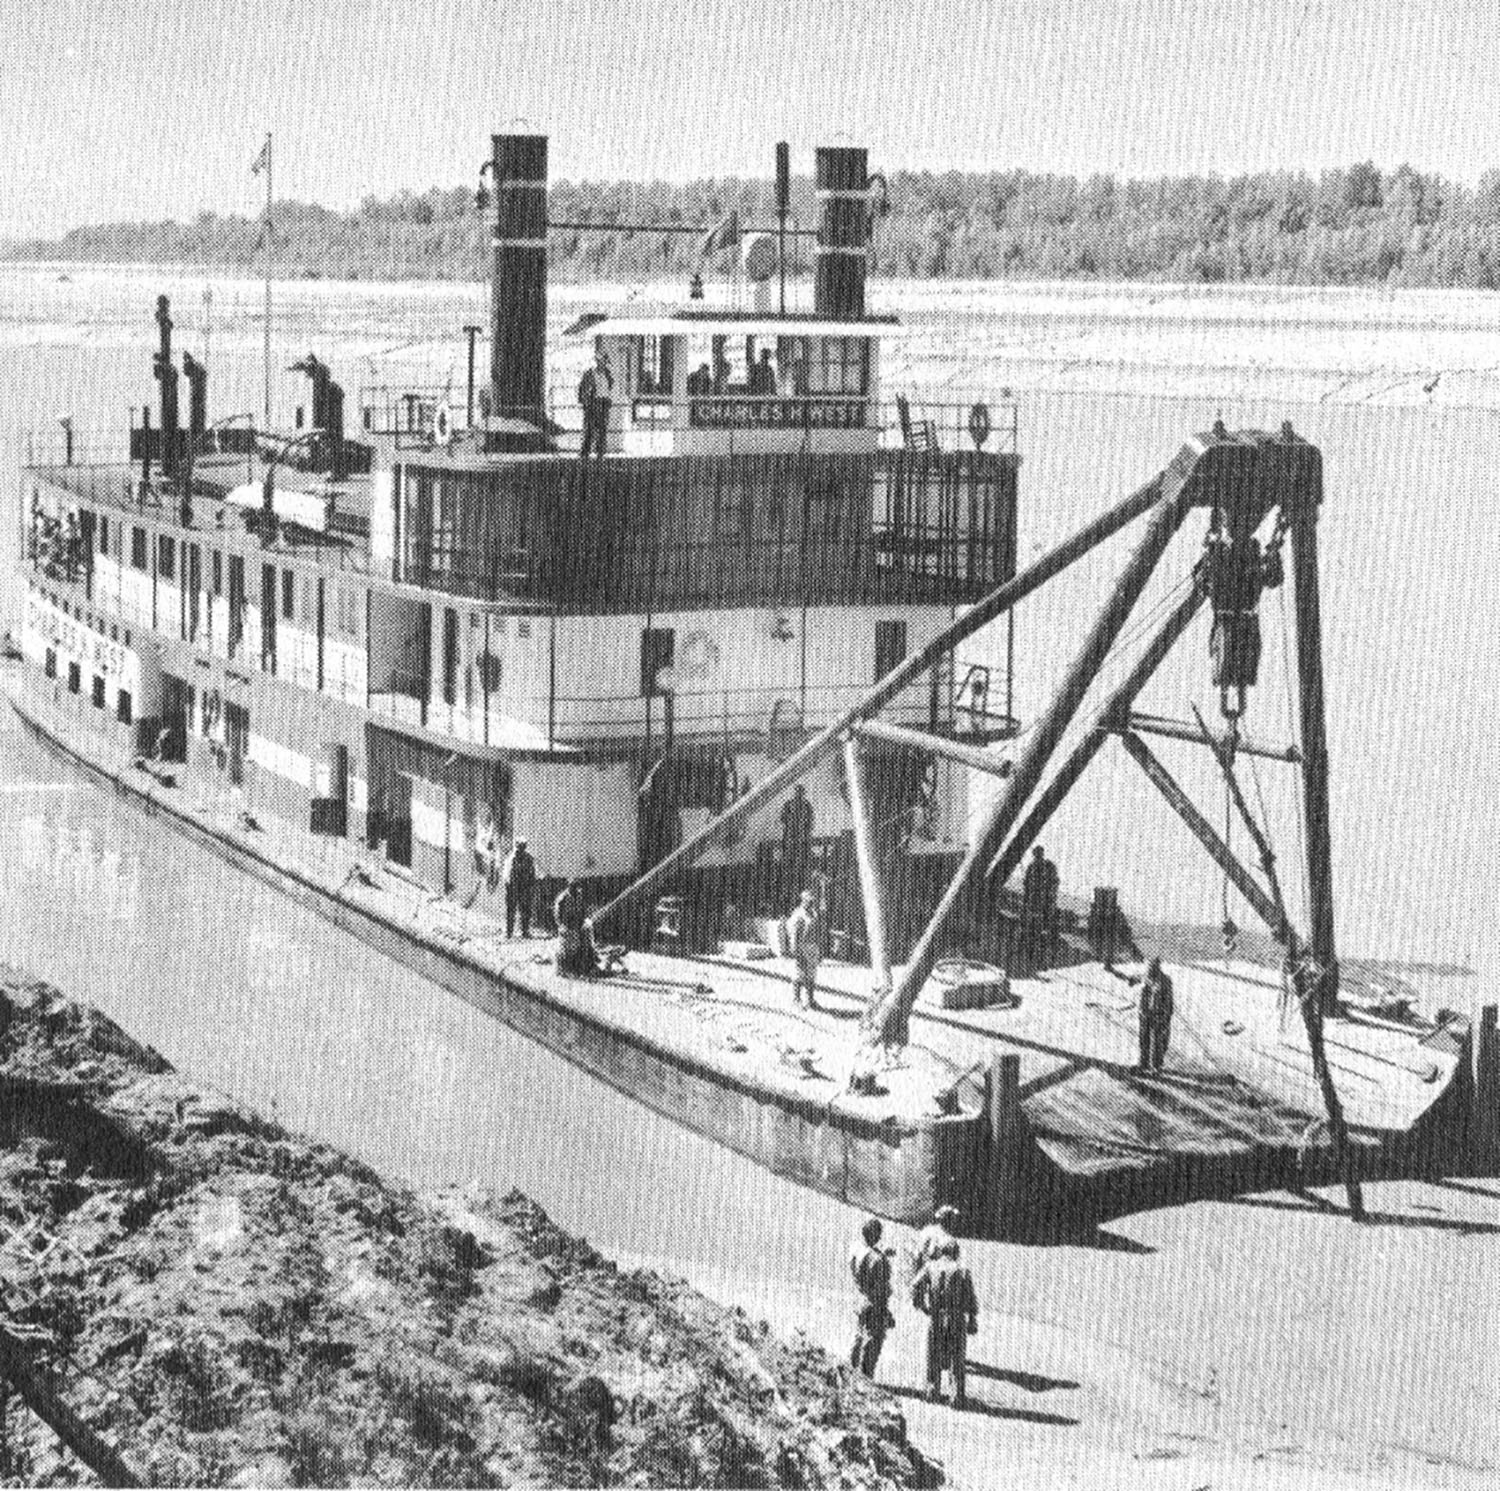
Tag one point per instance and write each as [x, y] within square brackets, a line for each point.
[979, 424]
[700, 655]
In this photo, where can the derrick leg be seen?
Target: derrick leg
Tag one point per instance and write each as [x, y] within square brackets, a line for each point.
[1304, 545]
[869, 866]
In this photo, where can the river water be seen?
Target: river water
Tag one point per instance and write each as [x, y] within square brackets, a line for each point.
[242, 989]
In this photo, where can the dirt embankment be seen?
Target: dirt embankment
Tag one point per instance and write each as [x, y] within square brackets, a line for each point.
[227, 1303]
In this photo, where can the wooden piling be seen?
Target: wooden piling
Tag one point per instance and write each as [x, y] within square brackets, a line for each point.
[1484, 1115]
[1007, 1137]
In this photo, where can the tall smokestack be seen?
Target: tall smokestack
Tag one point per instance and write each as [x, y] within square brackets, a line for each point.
[197, 377]
[166, 376]
[518, 333]
[842, 178]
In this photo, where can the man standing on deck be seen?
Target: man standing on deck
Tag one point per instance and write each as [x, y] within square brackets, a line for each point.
[871, 1266]
[936, 1234]
[944, 1292]
[520, 888]
[575, 947]
[806, 934]
[1039, 889]
[1157, 1001]
[796, 837]
[484, 851]
[595, 390]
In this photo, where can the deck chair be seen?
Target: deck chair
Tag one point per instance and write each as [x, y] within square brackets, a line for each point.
[916, 434]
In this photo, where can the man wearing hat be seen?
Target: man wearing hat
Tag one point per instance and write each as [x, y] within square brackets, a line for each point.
[595, 392]
[1156, 1002]
[944, 1292]
[520, 888]
[806, 937]
[936, 1234]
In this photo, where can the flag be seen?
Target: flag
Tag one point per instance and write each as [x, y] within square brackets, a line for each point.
[726, 235]
[262, 161]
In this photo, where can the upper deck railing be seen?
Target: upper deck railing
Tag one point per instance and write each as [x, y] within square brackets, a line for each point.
[418, 417]
[101, 476]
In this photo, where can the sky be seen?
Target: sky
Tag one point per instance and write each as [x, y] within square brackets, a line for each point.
[119, 110]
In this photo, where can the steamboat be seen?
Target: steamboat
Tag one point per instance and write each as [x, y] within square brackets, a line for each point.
[734, 625]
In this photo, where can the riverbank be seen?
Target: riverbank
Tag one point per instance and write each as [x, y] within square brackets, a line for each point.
[227, 1303]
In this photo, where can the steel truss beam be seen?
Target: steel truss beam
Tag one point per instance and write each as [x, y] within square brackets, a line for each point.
[920, 740]
[1151, 724]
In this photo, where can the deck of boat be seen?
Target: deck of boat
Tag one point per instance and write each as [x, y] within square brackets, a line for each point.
[1238, 1077]
[699, 1037]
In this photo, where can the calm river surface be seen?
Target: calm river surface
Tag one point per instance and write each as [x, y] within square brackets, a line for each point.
[237, 986]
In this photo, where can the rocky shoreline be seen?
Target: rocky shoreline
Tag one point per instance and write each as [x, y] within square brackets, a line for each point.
[229, 1304]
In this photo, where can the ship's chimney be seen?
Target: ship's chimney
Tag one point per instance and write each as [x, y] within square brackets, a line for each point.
[327, 409]
[166, 376]
[842, 178]
[518, 331]
[197, 377]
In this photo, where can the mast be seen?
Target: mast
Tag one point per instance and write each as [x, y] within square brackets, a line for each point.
[1312, 719]
[263, 163]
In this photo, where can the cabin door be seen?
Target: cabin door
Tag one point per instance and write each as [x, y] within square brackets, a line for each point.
[330, 807]
[398, 821]
[86, 543]
[236, 741]
[192, 577]
[236, 603]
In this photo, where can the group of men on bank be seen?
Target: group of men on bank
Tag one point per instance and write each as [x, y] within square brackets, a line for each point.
[942, 1289]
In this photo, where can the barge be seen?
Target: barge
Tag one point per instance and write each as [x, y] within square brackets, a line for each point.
[723, 630]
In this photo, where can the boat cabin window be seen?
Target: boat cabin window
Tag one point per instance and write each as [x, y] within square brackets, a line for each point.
[890, 646]
[138, 558]
[730, 365]
[654, 365]
[166, 558]
[837, 365]
[450, 655]
[124, 710]
[104, 536]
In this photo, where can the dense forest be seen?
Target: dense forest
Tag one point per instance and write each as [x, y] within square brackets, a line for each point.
[1358, 225]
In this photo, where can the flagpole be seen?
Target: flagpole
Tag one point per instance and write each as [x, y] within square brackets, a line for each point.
[267, 234]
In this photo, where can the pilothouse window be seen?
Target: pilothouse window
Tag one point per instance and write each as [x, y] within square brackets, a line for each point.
[654, 366]
[838, 365]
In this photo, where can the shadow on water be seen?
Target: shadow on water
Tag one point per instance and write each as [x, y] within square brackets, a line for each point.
[989, 1410]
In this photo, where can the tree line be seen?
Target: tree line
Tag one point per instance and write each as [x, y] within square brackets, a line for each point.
[1354, 226]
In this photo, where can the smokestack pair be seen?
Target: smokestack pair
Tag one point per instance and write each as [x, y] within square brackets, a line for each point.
[172, 444]
[518, 313]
